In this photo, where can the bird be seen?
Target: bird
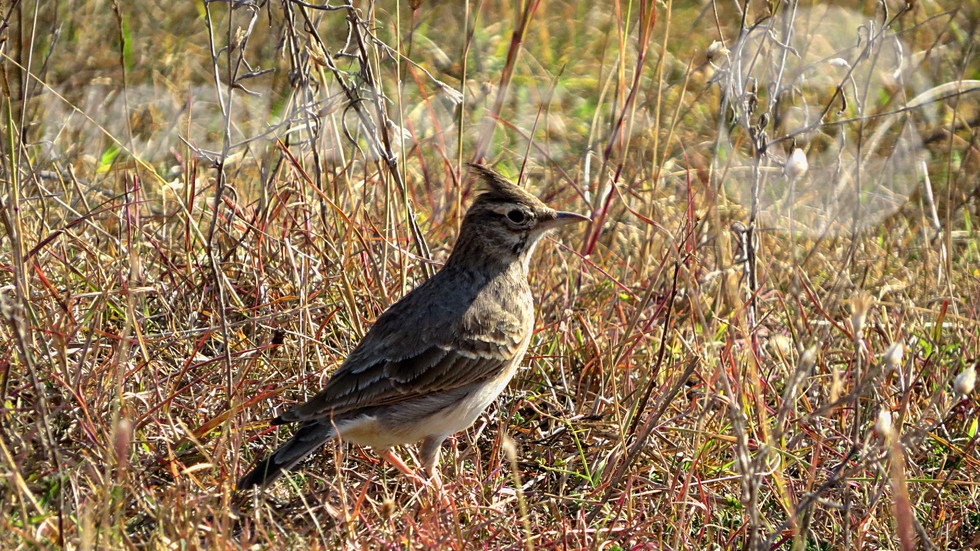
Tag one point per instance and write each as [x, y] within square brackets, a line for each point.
[437, 358]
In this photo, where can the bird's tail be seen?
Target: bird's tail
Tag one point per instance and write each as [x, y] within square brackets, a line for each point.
[307, 440]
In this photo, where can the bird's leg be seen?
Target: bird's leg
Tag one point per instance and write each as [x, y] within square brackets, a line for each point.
[436, 481]
[433, 482]
[429, 455]
[397, 463]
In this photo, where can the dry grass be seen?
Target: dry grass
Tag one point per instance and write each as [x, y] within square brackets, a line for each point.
[204, 207]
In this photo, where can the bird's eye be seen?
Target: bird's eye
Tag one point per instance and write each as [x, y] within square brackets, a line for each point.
[517, 216]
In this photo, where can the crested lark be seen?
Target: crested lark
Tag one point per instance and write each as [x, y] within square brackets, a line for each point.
[437, 358]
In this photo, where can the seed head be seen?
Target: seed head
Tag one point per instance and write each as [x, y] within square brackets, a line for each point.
[884, 423]
[797, 164]
[860, 303]
[716, 49]
[966, 381]
[893, 356]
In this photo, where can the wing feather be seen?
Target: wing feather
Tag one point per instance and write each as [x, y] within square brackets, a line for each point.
[396, 362]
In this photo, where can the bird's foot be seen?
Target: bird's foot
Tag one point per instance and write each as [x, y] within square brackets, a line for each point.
[433, 482]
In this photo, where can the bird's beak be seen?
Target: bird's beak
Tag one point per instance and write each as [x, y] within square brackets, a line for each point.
[561, 219]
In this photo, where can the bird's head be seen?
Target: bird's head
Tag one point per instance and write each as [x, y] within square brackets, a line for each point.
[505, 223]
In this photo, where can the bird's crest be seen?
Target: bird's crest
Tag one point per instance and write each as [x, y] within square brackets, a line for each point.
[500, 188]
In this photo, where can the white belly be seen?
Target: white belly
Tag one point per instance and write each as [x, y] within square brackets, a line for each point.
[397, 426]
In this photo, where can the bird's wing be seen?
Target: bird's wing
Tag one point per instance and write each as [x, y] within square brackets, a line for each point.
[399, 361]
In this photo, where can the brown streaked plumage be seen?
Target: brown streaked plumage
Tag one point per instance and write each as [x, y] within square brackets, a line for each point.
[437, 358]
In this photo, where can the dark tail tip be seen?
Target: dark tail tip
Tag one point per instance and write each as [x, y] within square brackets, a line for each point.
[307, 439]
[265, 473]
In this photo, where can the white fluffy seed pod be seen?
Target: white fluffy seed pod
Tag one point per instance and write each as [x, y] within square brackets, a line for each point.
[893, 356]
[797, 164]
[884, 423]
[966, 381]
[715, 50]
